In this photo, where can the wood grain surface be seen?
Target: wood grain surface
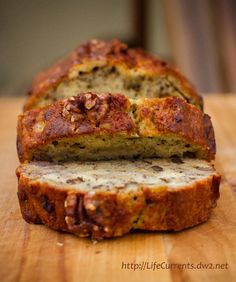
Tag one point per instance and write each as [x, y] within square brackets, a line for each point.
[36, 253]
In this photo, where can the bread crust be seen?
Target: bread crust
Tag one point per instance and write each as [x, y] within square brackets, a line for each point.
[108, 214]
[101, 53]
[114, 115]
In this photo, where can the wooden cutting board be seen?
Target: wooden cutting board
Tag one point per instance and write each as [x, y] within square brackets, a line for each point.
[36, 253]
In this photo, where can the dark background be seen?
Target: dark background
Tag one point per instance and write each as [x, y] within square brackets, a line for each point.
[198, 36]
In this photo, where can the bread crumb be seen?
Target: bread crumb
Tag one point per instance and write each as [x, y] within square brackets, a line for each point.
[59, 244]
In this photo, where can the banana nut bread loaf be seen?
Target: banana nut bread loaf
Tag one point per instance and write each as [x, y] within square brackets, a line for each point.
[75, 120]
[111, 126]
[100, 66]
[109, 198]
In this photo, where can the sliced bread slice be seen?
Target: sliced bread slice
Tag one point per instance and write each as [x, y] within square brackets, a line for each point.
[102, 66]
[110, 126]
[108, 199]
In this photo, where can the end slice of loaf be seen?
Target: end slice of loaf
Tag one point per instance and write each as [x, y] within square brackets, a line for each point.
[110, 126]
[110, 67]
[108, 199]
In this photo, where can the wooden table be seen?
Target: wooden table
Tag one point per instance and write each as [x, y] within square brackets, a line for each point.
[36, 253]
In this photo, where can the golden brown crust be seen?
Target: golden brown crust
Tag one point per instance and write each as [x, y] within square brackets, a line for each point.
[108, 214]
[173, 115]
[112, 53]
[106, 114]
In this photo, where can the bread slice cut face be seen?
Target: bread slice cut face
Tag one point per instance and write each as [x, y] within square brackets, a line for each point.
[109, 198]
[110, 66]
